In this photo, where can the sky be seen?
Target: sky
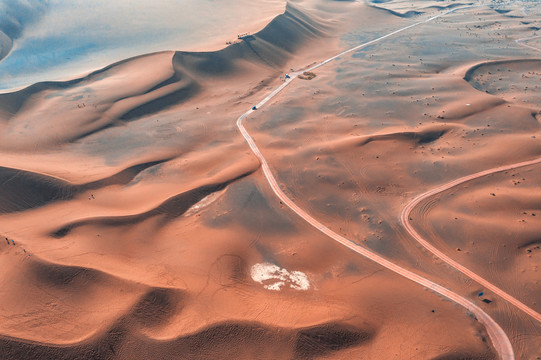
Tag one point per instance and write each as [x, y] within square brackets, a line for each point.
[59, 39]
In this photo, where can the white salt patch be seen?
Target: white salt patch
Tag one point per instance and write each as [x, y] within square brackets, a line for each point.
[275, 277]
[299, 280]
[276, 286]
[206, 201]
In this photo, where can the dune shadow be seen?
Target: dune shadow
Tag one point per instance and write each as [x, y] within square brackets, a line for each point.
[167, 211]
[225, 340]
[24, 190]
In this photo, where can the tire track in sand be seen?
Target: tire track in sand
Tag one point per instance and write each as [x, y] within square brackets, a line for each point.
[405, 219]
[499, 339]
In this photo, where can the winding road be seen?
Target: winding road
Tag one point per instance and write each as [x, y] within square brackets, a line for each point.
[405, 219]
[498, 337]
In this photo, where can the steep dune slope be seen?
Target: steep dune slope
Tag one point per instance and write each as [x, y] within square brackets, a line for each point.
[104, 227]
[144, 85]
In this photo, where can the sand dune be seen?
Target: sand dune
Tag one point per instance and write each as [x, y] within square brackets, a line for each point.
[23, 190]
[47, 47]
[506, 210]
[272, 46]
[421, 137]
[515, 81]
[401, 8]
[153, 83]
[133, 214]
[168, 210]
[212, 342]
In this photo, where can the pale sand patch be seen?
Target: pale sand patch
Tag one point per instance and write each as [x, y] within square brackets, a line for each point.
[207, 200]
[263, 272]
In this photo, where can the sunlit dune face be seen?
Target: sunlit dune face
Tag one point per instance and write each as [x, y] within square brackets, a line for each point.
[58, 39]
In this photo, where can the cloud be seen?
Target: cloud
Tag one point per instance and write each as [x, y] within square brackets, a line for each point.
[18, 14]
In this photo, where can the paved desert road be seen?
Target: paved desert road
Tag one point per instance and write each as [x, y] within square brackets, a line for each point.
[499, 339]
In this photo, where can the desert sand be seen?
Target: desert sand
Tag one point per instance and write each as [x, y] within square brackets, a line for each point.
[136, 222]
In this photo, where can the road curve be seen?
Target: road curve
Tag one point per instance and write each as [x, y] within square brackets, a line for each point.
[405, 219]
[499, 339]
